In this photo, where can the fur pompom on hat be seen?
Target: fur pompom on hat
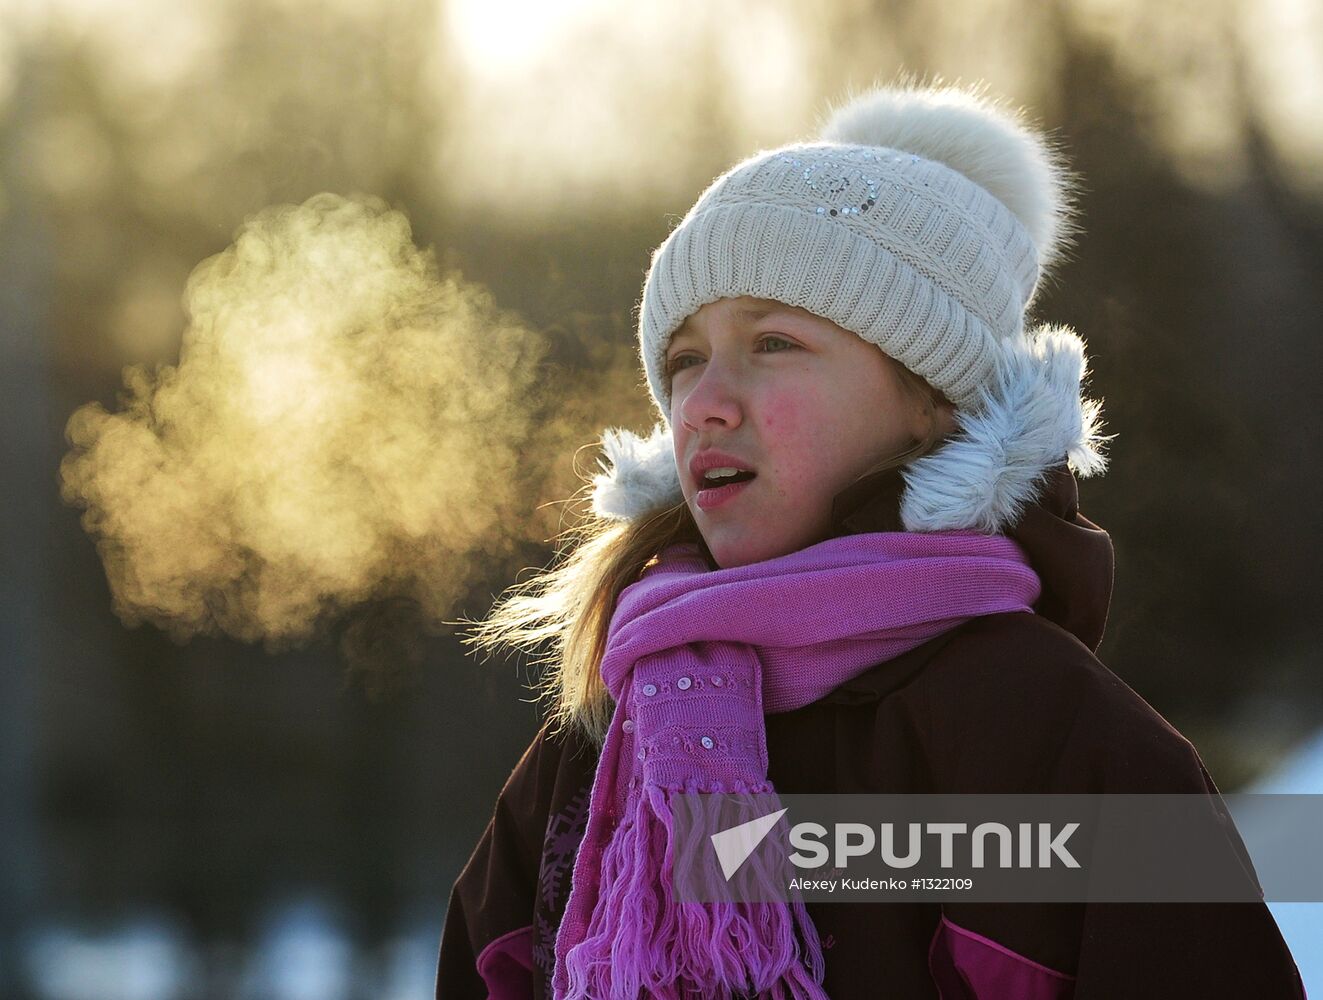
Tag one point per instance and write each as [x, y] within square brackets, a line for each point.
[922, 219]
[984, 139]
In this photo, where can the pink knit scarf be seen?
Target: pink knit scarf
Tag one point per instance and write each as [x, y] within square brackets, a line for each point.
[695, 657]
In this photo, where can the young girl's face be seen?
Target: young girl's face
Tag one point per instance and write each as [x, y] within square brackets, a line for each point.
[804, 404]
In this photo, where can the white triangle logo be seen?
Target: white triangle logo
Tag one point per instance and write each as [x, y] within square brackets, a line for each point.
[733, 846]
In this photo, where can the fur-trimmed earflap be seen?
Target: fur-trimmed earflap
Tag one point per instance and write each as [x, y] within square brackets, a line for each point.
[1030, 417]
[979, 136]
[642, 476]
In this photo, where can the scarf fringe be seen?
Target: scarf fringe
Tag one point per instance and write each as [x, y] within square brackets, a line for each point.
[642, 941]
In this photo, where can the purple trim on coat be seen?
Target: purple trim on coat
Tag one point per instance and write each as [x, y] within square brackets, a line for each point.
[506, 965]
[969, 966]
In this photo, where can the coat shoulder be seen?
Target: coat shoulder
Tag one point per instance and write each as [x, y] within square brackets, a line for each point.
[1014, 703]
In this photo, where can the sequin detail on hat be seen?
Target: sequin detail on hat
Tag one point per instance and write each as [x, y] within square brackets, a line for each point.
[843, 189]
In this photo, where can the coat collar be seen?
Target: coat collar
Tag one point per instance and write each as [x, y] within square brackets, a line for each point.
[870, 504]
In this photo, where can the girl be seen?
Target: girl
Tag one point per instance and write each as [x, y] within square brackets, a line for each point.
[848, 559]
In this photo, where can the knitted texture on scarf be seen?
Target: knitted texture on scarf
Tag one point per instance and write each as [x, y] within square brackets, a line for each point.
[694, 659]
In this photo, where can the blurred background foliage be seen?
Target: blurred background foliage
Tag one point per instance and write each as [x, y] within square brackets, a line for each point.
[543, 150]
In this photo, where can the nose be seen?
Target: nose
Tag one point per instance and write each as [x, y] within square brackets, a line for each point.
[711, 399]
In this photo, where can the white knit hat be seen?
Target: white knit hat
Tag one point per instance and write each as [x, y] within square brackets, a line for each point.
[922, 220]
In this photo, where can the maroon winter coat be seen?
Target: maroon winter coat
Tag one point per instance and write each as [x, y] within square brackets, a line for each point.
[1008, 703]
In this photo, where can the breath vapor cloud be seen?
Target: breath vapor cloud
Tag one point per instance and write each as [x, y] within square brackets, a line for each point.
[345, 425]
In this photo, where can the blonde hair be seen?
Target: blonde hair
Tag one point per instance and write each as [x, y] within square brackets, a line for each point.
[568, 607]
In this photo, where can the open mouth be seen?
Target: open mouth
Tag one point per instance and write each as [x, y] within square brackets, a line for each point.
[713, 482]
[716, 491]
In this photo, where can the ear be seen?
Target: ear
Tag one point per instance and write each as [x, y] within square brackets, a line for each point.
[932, 413]
[945, 415]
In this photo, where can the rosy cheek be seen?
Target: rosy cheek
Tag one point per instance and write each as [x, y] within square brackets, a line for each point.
[780, 414]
